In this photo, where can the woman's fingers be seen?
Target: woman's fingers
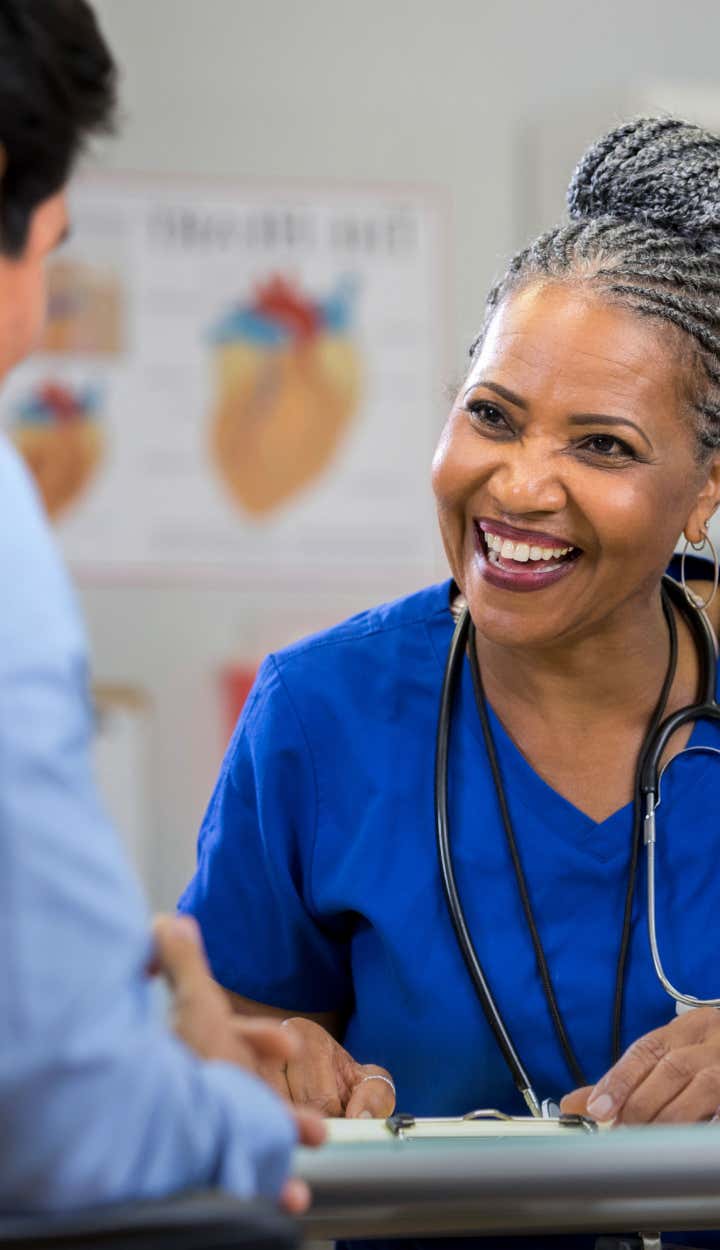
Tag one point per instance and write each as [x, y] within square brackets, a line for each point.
[575, 1103]
[672, 1073]
[313, 1082]
[684, 1086]
[312, 1074]
[372, 1095]
[321, 1075]
[699, 1100]
[611, 1093]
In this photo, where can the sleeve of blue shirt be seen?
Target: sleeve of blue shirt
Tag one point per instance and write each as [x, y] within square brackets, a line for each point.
[255, 864]
[98, 1101]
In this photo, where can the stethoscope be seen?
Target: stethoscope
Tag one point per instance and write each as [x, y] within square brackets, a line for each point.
[646, 802]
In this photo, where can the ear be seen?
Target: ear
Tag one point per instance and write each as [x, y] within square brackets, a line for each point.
[708, 499]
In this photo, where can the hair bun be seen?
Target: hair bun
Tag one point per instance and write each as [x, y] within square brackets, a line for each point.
[659, 171]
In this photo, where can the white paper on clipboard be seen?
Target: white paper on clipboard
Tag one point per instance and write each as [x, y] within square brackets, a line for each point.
[476, 1125]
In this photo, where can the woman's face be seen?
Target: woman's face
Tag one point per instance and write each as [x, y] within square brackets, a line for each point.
[567, 468]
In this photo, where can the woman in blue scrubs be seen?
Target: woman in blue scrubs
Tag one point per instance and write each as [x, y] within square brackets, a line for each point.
[582, 444]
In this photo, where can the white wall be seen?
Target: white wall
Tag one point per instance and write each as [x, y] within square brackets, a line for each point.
[384, 90]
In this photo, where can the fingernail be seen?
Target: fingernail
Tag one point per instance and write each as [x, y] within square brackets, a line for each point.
[601, 1107]
[365, 1115]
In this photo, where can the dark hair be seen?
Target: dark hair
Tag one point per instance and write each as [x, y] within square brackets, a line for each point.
[57, 87]
[644, 228]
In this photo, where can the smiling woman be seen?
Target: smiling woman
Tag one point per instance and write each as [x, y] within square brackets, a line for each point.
[532, 456]
[581, 446]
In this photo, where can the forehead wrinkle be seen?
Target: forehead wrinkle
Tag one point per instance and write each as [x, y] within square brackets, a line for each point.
[613, 375]
[634, 365]
[637, 367]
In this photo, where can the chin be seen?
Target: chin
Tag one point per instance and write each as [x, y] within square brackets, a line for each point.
[507, 630]
[511, 620]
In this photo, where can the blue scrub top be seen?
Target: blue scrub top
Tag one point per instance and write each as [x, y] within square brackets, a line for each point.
[317, 885]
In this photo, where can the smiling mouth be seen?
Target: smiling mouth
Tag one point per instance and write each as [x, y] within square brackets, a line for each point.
[527, 556]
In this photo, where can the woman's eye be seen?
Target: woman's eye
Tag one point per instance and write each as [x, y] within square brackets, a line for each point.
[486, 414]
[607, 445]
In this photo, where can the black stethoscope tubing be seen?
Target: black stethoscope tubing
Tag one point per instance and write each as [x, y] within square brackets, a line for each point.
[646, 790]
[447, 872]
[706, 709]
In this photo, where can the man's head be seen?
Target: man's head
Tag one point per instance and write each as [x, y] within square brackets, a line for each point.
[57, 88]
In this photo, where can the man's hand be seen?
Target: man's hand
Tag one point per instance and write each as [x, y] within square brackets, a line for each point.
[669, 1076]
[201, 1013]
[296, 1196]
[323, 1075]
[203, 1018]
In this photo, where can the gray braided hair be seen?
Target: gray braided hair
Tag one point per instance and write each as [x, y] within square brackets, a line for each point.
[644, 229]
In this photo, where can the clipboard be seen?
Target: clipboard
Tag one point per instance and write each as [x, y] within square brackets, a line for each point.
[485, 1122]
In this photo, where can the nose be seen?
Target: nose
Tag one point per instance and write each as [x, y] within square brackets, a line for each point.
[527, 480]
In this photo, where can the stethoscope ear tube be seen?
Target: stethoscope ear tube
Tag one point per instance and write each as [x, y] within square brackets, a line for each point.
[706, 709]
[651, 772]
[455, 660]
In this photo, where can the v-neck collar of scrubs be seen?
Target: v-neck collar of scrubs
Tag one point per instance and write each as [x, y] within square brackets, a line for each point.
[603, 840]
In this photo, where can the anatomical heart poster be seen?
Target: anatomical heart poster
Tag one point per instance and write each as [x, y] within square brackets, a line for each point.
[238, 381]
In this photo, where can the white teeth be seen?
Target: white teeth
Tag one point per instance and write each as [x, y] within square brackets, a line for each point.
[521, 553]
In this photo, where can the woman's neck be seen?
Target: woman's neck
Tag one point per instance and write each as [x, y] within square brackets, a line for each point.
[579, 712]
[617, 668]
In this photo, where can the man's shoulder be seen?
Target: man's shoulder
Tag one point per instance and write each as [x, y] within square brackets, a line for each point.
[40, 615]
[22, 518]
[13, 474]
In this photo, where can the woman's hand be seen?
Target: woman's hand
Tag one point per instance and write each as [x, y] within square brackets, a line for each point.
[321, 1074]
[669, 1076]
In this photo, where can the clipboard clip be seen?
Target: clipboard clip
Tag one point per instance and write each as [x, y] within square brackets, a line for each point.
[401, 1122]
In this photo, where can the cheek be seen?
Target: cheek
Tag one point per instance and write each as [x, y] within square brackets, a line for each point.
[454, 468]
[28, 311]
[438, 464]
[640, 513]
[447, 482]
[36, 307]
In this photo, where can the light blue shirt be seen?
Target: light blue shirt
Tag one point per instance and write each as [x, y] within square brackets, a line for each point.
[98, 1101]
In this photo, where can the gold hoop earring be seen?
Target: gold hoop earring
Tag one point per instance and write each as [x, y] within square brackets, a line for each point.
[694, 600]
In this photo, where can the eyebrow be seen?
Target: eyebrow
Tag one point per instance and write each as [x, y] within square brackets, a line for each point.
[502, 391]
[580, 418]
[603, 418]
